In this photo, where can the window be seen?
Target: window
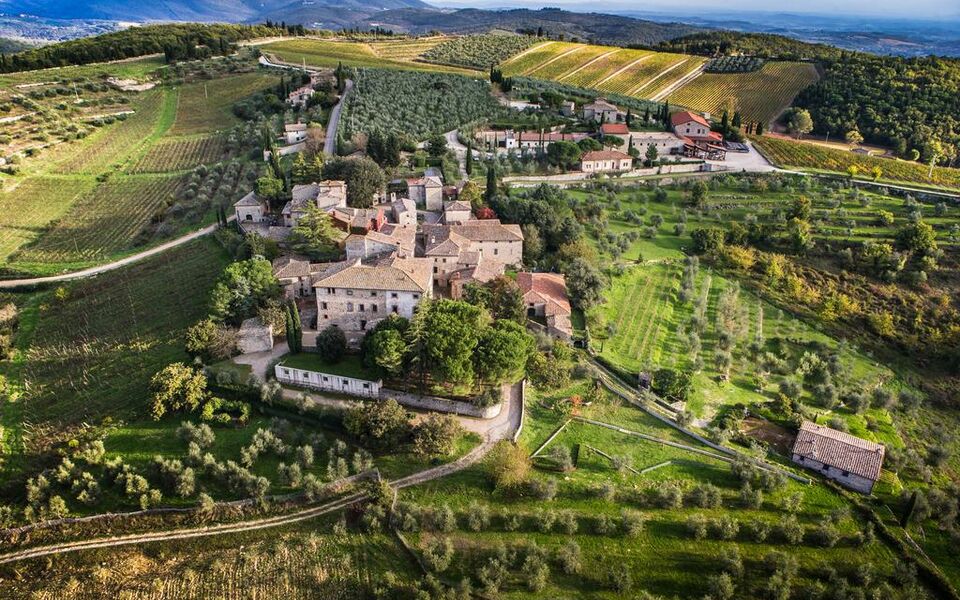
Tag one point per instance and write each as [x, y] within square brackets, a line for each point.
[306, 375]
[345, 382]
[393, 294]
[326, 316]
[435, 270]
[323, 305]
[331, 291]
[286, 371]
[349, 306]
[325, 378]
[373, 294]
[416, 296]
[496, 251]
[373, 308]
[363, 325]
[846, 473]
[349, 292]
[825, 468]
[249, 217]
[366, 386]
[395, 310]
[360, 308]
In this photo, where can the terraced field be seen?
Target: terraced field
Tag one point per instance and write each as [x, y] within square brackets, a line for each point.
[638, 73]
[103, 221]
[758, 95]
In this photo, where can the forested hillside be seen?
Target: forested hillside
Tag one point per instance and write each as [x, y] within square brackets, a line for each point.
[905, 103]
[722, 43]
[183, 40]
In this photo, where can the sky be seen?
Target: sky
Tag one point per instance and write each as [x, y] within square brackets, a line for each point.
[917, 9]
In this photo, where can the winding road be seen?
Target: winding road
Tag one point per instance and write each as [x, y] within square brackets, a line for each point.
[133, 258]
[498, 429]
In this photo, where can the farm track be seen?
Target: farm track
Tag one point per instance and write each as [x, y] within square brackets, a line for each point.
[623, 69]
[586, 64]
[530, 72]
[635, 91]
[516, 57]
[498, 430]
[676, 85]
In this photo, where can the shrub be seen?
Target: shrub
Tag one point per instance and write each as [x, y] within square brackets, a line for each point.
[697, 526]
[438, 554]
[544, 520]
[569, 558]
[705, 495]
[201, 435]
[790, 530]
[567, 522]
[544, 489]
[331, 344]
[725, 527]
[478, 517]
[604, 525]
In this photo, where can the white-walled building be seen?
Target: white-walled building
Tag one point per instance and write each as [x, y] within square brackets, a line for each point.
[251, 209]
[665, 142]
[426, 191]
[294, 133]
[606, 161]
[325, 195]
[602, 111]
[325, 378]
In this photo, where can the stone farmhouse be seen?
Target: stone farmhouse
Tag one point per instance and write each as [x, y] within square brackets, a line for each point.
[426, 191]
[457, 211]
[294, 133]
[605, 161]
[296, 275]
[487, 243]
[525, 140]
[699, 140]
[545, 296]
[852, 462]
[664, 141]
[391, 238]
[300, 96]
[601, 111]
[617, 130]
[355, 296]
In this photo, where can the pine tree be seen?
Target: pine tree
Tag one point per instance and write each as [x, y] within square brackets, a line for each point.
[299, 169]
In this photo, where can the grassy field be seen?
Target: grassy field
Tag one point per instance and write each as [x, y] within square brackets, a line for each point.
[758, 95]
[819, 158]
[664, 558]
[322, 53]
[638, 73]
[205, 107]
[135, 68]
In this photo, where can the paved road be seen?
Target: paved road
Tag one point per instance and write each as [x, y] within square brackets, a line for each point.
[498, 429]
[133, 258]
[330, 143]
[459, 150]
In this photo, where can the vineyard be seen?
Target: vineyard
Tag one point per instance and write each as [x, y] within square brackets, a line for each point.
[478, 51]
[636, 73]
[102, 222]
[206, 107]
[33, 204]
[326, 54]
[93, 352]
[177, 154]
[801, 155]
[405, 49]
[758, 95]
[418, 104]
[114, 144]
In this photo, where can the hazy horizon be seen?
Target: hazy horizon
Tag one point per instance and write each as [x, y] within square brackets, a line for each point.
[875, 9]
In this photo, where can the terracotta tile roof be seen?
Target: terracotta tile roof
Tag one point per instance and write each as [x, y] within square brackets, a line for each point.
[286, 267]
[840, 450]
[488, 230]
[428, 181]
[600, 104]
[457, 205]
[605, 155]
[685, 117]
[548, 288]
[295, 127]
[394, 274]
[614, 129]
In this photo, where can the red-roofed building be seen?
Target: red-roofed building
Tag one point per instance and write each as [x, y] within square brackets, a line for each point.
[700, 141]
[605, 161]
[545, 295]
[614, 129]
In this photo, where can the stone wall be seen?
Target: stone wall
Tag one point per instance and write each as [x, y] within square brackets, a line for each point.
[849, 480]
[442, 404]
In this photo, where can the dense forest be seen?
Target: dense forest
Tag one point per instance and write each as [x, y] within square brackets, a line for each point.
[908, 104]
[179, 41]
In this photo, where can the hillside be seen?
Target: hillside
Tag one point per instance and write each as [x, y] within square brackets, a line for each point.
[209, 10]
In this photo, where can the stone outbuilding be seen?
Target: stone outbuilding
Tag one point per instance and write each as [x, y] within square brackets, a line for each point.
[852, 462]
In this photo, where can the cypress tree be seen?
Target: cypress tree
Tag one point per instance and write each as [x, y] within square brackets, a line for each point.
[469, 160]
[297, 325]
[491, 190]
[291, 333]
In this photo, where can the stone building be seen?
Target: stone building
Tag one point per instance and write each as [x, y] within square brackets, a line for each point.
[852, 462]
